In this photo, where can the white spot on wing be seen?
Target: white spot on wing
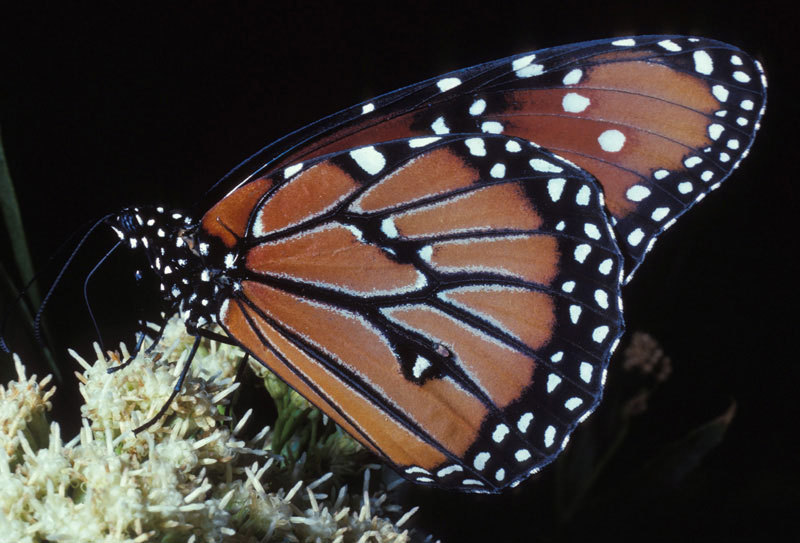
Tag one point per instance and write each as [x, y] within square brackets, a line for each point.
[600, 333]
[476, 146]
[498, 171]
[573, 77]
[549, 436]
[492, 127]
[426, 253]
[422, 142]
[444, 472]
[555, 187]
[448, 83]
[439, 126]
[637, 193]
[611, 141]
[367, 108]
[720, 92]
[524, 68]
[582, 251]
[480, 460]
[601, 298]
[522, 455]
[291, 170]
[388, 227]
[586, 371]
[369, 159]
[591, 230]
[659, 213]
[477, 107]
[543, 166]
[574, 102]
[670, 45]
[420, 365]
[635, 237]
[522, 62]
[626, 42]
[582, 198]
[524, 421]
[359, 235]
[500, 433]
[692, 161]
[703, 63]
[741, 77]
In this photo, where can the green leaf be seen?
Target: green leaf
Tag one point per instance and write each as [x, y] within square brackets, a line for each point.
[12, 219]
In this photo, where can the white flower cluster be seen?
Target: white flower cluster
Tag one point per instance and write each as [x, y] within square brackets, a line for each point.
[187, 478]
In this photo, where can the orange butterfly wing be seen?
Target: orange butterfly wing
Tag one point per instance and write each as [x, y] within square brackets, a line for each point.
[452, 303]
[659, 121]
[426, 273]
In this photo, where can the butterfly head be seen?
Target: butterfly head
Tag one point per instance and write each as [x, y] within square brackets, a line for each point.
[182, 262]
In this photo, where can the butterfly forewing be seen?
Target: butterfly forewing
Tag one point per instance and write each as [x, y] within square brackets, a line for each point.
[659, 121]
[451, 301]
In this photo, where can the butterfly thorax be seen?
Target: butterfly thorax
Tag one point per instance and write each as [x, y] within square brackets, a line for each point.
[191, 279]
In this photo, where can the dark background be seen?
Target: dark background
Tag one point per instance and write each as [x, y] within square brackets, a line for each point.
[106, 107]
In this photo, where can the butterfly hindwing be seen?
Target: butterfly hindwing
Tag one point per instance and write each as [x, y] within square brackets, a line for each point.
[452, 301]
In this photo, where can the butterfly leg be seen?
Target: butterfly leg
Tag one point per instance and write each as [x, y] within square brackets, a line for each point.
[138, 346]
[176, 389]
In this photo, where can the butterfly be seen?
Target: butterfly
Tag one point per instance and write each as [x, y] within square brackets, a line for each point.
[439, 269]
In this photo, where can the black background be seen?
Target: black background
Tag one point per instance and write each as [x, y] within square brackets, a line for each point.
[105, 107]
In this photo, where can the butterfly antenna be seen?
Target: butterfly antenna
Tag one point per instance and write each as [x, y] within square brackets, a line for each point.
[38, 318]
[86, 293]
[26, 288]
